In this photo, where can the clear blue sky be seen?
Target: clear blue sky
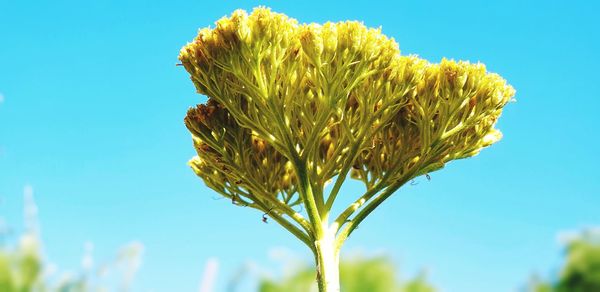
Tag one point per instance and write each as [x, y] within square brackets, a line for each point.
[92, 119]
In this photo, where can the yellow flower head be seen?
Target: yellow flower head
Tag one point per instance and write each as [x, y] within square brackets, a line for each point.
[329, 100]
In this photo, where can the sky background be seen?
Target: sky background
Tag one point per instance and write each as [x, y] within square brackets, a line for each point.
[91, 117]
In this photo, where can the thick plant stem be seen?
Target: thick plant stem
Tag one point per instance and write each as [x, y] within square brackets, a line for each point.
[327, 258]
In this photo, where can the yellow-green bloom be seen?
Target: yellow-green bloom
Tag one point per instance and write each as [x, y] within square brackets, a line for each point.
[294, 106]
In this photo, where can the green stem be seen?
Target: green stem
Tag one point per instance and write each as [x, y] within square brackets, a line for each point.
[353, 154]
[292, 228]
[362, 214]
[327, 261]
[306, 193]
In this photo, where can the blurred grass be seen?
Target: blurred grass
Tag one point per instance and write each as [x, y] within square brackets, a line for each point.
[581, 269]
[22, 269]
[376, 274]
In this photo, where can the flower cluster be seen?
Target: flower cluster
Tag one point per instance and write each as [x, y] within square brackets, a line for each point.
[450, 116]
[291, 101]
[234, 161]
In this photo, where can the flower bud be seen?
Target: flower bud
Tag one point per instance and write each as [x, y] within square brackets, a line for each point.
[355, 174]
[490, 138]
[312, 43]
[239, 20]
[330, 37]
[330, 151]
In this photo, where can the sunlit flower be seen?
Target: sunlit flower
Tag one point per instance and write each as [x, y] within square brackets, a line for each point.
[292, 106]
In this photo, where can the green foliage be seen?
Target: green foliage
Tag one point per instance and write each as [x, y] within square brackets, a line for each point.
[301, 281]
[376, 274]
[6, 273]
[359, 275]
[418, 285]
[581, 270]
[20, 269]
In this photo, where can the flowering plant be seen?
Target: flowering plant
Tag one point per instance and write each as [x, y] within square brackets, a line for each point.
[294, 106]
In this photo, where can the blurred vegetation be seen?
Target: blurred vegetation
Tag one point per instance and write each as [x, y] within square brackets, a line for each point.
[581, 269]
[20, 269]
[23, 267]
[373, 275]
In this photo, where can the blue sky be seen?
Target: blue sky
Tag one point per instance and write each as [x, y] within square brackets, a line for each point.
[92, 118]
